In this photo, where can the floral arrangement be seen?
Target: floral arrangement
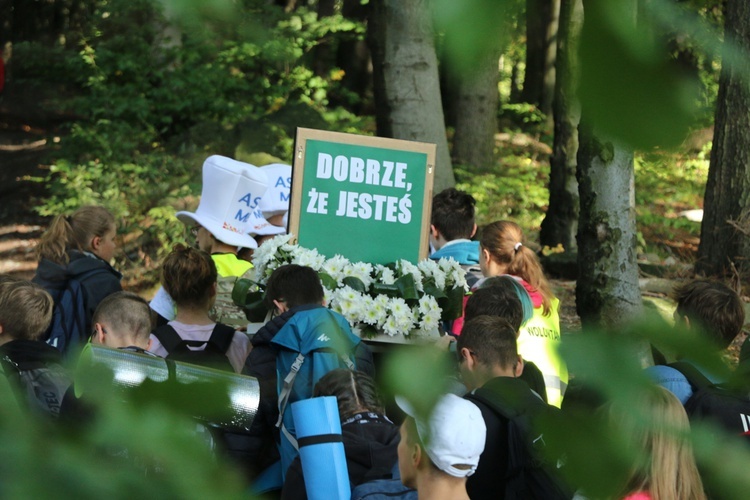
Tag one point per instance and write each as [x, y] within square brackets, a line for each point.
[396, 299]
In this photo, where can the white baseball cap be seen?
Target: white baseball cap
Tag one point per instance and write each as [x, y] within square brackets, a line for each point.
[455, 434]
[276, 199]
[230, 196]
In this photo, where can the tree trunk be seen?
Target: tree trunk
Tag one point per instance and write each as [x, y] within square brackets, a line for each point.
[560, 224]
[607, 292]
[541, 47]
[324, 52]
[476, 113]
[405, 74]
[353, 57]
[726, 217]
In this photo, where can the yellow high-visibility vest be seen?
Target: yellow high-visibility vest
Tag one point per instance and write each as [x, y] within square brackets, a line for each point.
[539, 341]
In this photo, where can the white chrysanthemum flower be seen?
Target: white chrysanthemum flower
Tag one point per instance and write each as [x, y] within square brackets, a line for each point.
[405, 267]
[385, 275]
[362, 271]
[429, 321]
[455, 274]
[431, 269]
[390, 327]
[428, 304]
[335, 267]
[309, 258]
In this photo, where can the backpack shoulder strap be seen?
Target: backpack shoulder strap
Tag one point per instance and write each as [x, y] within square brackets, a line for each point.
[692, 374]
[480, 396]
[169, 339]
[221, 338]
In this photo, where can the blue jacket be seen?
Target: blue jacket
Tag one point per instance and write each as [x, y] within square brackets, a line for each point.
[463, 252]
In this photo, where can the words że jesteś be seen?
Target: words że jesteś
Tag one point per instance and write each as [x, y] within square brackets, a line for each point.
[363, 205]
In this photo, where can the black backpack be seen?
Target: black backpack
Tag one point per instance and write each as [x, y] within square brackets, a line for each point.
[724, 404]
[214, 355]
[40, 386]
[68, 330]
[530, 475]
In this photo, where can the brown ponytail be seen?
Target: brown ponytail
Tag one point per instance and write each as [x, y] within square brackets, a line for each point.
[74, 232]
[504, 241]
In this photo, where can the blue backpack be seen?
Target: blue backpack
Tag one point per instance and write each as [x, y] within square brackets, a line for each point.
[312, 343]
[68, 330]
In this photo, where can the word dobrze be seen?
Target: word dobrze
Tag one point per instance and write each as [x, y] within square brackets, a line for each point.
[363, 205]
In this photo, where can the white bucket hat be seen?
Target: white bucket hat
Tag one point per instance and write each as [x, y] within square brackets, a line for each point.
[228, 208]
[276, 199]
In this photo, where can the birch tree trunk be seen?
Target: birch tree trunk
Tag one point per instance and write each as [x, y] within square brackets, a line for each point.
[607, 291]
[725, 230]
[560, 223]
[406, 84]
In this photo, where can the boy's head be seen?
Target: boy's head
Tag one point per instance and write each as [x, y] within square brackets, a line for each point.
[496, 300]
[122, 319]
[449, 442]
[291, 286]
[712, 307]
[452, 217]
[25, 310]
[486, 349]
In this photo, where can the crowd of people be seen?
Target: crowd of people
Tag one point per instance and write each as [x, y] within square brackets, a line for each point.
[480, 440]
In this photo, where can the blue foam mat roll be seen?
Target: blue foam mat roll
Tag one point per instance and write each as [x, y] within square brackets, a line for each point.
[316, 421]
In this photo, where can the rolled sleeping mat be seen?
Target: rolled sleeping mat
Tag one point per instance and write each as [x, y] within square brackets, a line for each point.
[131, 369]
[321, 449]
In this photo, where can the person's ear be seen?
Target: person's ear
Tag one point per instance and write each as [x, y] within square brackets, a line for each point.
[473, 231]
[280, 306]
[148, 345]
[468, 358]
[416, 455]
[99, 334]
[486, 256]
[686, 320]
[434, 232]
[96, 243]
[518, 370]
[213, 289]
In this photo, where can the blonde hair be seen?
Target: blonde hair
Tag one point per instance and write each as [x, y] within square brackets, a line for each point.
[74, 232]
[505, 242]
[25, 309]
[658, 427]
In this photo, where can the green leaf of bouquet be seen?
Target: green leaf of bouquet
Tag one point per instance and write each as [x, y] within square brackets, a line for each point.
[431, 289]
[354, 283]
[383, 289]
[368, 332]
[407, 287]
[256, 309]
[451, 304]
[328, 281]
[242, 287]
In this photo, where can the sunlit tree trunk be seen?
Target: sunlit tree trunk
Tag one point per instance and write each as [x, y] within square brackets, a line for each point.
[725, 231]
[541, 47]
[560, 224]
[406, 84]
[476, 112]
[607, 292]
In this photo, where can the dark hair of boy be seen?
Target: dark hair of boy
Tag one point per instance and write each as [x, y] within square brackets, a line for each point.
[293, 285]
[712, 307]
[128, 311]
[492, 341]
[495, 301]
[355, 392]
[25, 309]
[453, 214]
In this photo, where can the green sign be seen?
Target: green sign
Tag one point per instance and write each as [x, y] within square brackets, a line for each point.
[366, 198]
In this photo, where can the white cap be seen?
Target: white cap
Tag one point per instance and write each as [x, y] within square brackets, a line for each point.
[276, 199]
[231, 193]
[454, 436]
